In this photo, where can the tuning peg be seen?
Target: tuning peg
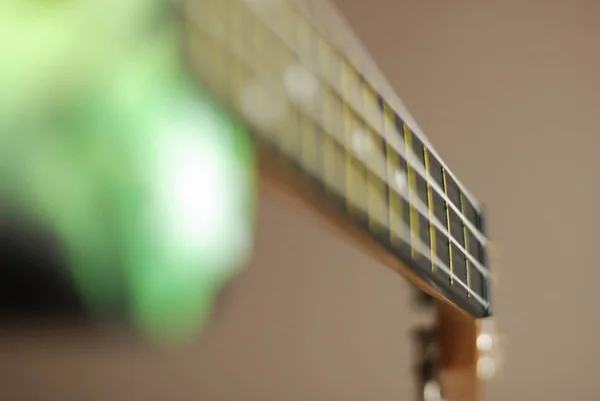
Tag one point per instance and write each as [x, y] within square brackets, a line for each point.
[432, 391]
[490, 346]
[423, 299]
[428, 368]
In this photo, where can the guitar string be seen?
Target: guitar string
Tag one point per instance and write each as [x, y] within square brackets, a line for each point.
[405, 154]
[425, 251]
[423, 172]
[413, 200]
[416, 164]
[422, 210]
[328, 20]
[341, 51]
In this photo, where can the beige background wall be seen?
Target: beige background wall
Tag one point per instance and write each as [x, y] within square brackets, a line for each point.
[509, 93]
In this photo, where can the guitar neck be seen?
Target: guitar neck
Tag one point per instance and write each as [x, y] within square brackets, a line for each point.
[297, 77]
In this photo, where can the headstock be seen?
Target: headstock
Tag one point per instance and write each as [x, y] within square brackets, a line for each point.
[456, 354]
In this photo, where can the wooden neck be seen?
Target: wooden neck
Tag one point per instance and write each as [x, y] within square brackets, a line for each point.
[457, 337]
[334, 139]
[311, 106]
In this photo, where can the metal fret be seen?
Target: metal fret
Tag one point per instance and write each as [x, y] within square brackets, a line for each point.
[395, 173]
[310, 145]
[431, 207]
[372, 111]
[302, 96]
[467, 264]
[356, 177]
[348, 69]
[451, 256]
[411, 188]
[351, 85]
[304, 40]
[351, 72]
[376, 183]
[418, 206]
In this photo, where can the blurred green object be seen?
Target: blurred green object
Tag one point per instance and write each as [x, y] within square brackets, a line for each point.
[105, 139]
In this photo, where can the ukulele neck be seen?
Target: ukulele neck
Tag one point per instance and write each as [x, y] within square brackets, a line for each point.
[321, 109]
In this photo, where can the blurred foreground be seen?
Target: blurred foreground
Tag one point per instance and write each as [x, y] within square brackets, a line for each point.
[125, 190]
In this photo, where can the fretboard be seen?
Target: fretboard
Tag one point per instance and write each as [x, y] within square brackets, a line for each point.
[292, 78]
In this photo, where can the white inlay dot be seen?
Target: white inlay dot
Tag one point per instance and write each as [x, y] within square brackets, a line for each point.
[400, 179]
[300, 84]
[361, 142]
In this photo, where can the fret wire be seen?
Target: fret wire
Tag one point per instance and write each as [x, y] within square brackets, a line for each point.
[346, 129]
[308, 137]
[329, 163]
[425, 251]
[417, 166]
[414, 201]
[356, 51]
[392, 164]
[411, 188]
[316, 108]
[238, 56]
[432, 239]
[378, 199]
[344, 57]
[462, 203]
[371, 191]
[417, 204]
[326, 143]
[348, 157]
[296, 112]
[417, 243]
[368, 139]
[450, 250]
[387, 186]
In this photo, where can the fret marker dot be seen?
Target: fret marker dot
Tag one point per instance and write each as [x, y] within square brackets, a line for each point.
[301, 85]
[361, 142]
[400, 179]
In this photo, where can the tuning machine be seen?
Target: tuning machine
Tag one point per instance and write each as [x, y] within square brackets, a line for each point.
[428, 365]
[427, 368]
[490, 346]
